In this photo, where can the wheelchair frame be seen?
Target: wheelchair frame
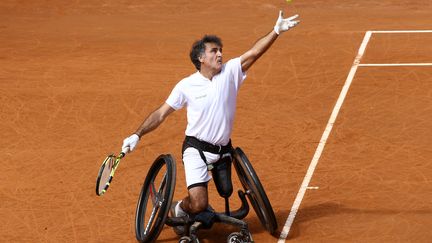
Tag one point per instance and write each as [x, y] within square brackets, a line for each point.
[157, 194]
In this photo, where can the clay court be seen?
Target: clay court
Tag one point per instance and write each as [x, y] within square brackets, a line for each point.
[77, 77]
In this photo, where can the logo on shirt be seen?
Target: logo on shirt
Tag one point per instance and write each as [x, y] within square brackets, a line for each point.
[201, 96]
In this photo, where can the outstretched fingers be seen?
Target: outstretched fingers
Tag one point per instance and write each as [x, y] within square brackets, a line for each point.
[292, 18]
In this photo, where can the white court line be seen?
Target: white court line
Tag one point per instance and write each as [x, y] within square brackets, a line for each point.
[400, 31]
[395, 64]
[320, 148]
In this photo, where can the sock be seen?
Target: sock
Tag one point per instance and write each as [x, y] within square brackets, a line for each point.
[179, 210]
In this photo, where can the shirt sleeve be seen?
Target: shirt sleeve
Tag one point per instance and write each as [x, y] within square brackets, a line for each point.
[234, 67]
[176, 99]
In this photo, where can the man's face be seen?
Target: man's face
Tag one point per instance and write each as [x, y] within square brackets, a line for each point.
[212, 57]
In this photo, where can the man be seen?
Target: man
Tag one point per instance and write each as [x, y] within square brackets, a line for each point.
[210, 96]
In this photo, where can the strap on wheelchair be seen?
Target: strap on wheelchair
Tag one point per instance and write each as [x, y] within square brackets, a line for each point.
[221, 170]
[203, 146]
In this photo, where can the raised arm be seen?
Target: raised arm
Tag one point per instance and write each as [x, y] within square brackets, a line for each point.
[150, 123]
[264, 43]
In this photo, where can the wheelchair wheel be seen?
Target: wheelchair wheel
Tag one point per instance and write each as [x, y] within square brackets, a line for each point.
[254, 191]
[155, 199]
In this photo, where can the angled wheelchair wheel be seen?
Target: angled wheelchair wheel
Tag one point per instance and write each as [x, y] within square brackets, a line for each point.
[254, 191]
[155, 199]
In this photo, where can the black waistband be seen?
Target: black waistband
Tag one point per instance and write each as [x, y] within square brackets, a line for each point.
[208, 147]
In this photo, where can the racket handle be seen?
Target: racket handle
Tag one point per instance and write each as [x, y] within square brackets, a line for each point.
[122, 154]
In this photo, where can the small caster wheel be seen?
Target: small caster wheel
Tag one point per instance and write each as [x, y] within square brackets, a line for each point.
[187, 239]
[235, 237]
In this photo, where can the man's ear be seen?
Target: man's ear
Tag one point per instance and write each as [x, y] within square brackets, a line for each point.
[201, 58]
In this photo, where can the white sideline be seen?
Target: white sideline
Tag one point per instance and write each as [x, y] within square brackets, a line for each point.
[320, 148]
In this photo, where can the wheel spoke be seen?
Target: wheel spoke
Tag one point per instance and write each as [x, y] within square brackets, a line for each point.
[153, 194]
[161, 189]
[151, 219]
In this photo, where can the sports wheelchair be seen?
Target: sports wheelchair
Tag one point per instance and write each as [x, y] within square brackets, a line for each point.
[157, 194]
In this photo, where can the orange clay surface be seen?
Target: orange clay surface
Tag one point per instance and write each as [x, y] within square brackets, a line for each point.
[77, 77]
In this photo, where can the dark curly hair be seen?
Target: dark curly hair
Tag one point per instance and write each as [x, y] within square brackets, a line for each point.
[198, 48]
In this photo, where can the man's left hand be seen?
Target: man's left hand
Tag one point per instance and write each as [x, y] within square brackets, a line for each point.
[283, 25]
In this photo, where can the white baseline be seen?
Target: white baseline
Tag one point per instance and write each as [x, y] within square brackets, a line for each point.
[395, 64]
[399, 31]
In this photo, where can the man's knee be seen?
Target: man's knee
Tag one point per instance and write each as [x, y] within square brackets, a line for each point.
[198, 206]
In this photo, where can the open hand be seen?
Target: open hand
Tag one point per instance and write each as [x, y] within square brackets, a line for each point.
[283, 25]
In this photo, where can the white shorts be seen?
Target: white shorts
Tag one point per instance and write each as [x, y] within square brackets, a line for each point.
[195, 168]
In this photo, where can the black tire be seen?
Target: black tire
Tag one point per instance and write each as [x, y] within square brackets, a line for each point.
[254, 191]
[150, 219]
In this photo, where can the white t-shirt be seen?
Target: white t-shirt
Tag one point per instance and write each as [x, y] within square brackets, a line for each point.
[210, 103]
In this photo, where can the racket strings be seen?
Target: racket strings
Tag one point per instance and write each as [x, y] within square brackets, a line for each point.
[105, 175]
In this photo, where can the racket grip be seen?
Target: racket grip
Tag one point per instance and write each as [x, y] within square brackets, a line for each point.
[122, 154]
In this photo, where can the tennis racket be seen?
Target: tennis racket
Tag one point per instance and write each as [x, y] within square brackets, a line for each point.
[106, 172]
